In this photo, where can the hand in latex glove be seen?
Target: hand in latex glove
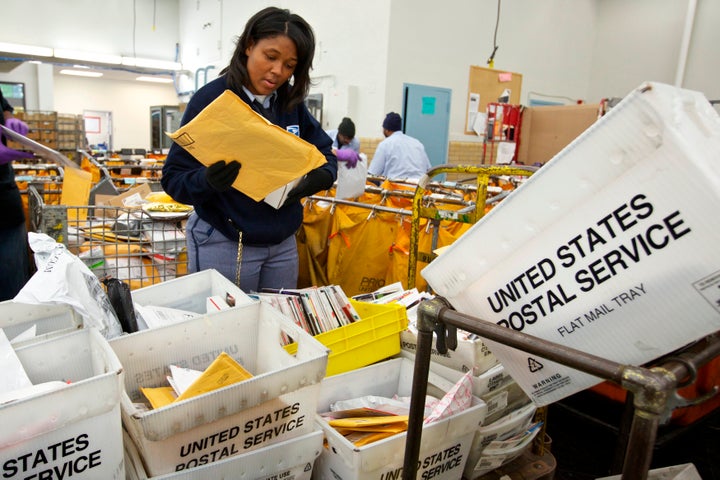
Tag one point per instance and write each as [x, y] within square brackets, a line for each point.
[347, 155]
[16, 125]
[315, 181]
[221, 175]
[7, 155]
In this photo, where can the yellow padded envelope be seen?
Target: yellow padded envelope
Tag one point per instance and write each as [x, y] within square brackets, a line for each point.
[76, 187]
[228, 129]
[159, 396]
[223, 371]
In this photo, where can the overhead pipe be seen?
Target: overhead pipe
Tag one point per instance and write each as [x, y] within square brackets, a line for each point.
[685, 43]
[204, 70]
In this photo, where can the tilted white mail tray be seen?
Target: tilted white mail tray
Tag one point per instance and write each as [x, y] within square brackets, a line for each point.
[610, 248]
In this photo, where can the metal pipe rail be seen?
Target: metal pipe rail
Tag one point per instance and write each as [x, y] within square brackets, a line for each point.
[652, 388]
[400, 211]
[340, 201]
[482, 173]
[435, 192]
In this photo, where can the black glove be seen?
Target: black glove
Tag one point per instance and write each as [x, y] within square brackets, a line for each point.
[315, 181]
[221, 175]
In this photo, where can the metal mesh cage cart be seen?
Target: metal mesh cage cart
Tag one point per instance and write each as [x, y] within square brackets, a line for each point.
[131, 244]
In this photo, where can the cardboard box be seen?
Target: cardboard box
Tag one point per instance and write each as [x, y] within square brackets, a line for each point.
[546, 130]
[130, 198]
[444, 445]
[74, 428]
[610, 248]
[278, 403]
[289, 460]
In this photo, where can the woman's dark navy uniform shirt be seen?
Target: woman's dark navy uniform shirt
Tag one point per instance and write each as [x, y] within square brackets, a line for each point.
[183, 178]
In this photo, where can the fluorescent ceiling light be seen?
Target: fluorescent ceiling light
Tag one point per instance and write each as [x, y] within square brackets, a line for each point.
[150, 63]
[155, 79]
[88, 56]
[26, 49]
[81, 73]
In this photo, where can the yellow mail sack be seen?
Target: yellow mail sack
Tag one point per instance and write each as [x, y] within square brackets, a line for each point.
[228, 129]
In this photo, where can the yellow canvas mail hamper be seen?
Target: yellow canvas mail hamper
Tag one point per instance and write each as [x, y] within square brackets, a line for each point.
[278, 403]
[73, 431]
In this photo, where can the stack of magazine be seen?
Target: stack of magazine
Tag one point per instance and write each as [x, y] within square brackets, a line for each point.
[315, 309]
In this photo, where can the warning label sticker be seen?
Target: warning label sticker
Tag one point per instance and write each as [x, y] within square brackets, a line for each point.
[709, 288]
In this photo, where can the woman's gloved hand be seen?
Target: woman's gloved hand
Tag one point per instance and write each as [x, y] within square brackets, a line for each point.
[347, 155]
[16, 125]
[220, 175]
[7, 155]
[315, 181]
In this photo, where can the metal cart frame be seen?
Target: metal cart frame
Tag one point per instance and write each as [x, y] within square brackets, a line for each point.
[468, 215]
[653, 389]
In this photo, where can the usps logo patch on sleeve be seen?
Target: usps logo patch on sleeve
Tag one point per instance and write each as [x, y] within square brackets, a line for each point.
[294, 129]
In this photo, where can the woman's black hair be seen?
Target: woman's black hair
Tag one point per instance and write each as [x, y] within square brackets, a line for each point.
[267, 23]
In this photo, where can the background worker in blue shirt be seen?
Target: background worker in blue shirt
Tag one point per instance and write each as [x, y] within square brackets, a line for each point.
[228, 230]
[398, 156]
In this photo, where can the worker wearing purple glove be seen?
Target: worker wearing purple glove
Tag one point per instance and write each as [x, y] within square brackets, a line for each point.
[16, 125]
[344, 136]
[14, 253]
[7, 154]
[350, 157]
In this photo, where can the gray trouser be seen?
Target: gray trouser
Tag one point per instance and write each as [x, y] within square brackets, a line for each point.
[271, 266]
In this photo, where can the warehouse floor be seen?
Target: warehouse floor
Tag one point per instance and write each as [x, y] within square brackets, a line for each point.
[583, 429]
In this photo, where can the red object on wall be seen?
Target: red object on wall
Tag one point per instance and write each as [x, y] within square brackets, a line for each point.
[503, 125]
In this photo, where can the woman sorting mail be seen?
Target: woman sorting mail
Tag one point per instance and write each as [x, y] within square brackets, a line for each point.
[246, 237]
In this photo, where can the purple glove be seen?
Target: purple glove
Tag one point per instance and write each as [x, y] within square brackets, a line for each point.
[7, 155]
[347, 155]
[16, 125]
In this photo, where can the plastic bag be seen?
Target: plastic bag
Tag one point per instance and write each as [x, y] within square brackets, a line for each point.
[351, 181]
[62, 277]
